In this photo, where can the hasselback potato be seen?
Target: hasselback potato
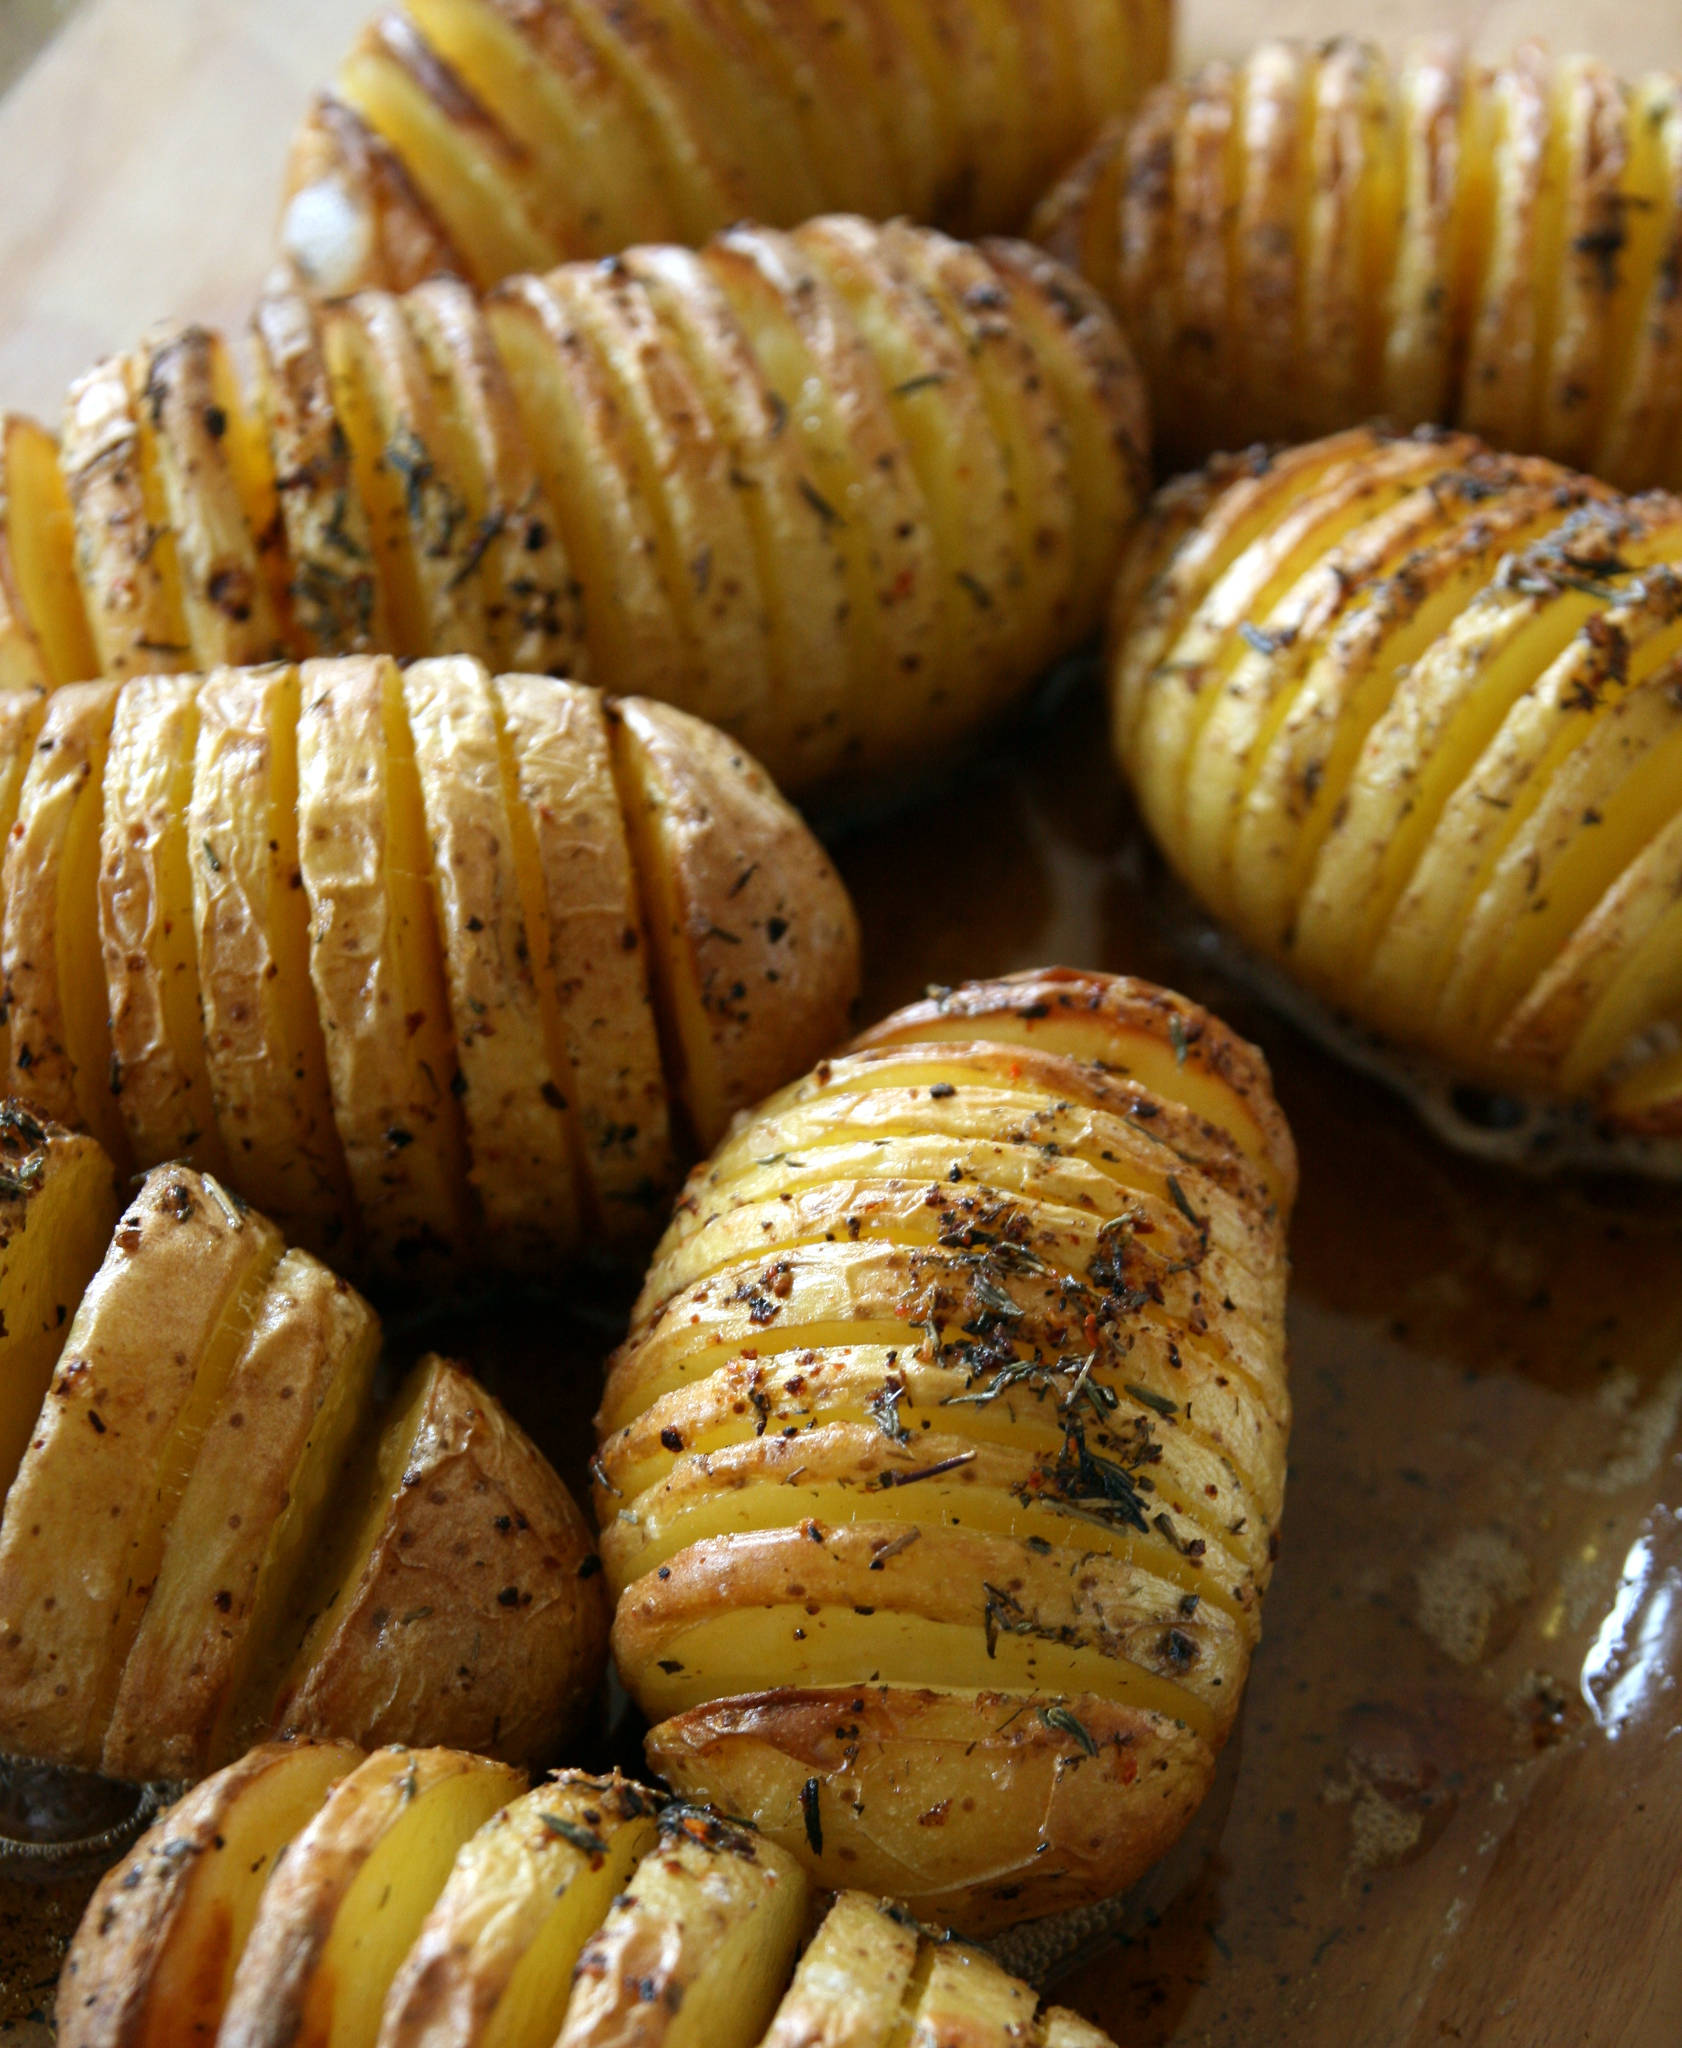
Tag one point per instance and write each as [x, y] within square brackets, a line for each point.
[213, 1530]
[1407, 716]
[485, 137]
[1316, 235]
[426, 1900]
[437, 969]
[940, 1471]
[843, 492]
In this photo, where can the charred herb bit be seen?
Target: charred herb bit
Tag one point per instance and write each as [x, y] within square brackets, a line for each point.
[883, 1408]
[1187, 1547]
[1004, 1615]
[211, 858]
[477, 548]
[1262, 642]
[809, 1793]
[925, 382]
[977, 589]
[891, 1479]
[1150, 1399]
[1198, 1223]
[1177, 1038]
[1063, 1722]
[993, 1298]
[21, 1175]
[585, 1840]
[14, 1117]
[820, 504]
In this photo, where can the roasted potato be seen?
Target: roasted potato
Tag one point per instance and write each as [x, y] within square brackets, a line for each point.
[940, 1471]
[570, 1915]
[844, 492]
[1316, 235]
[484, 137]
[442, 970]
[210, 1533]
[1407, 716]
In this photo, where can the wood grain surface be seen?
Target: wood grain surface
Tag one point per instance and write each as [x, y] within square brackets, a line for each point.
[1454, 1813]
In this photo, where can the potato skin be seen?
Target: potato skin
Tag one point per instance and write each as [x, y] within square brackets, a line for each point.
[1034, 1648]
[848, 108]
[370, 910]
[1441, 277]
[1457, 825]
[479, 1615]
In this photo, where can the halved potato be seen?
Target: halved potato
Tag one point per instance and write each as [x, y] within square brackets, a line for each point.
[58, 1203]
[261, 1490]
[168, 1925]
[145, 1361]
[352, 1894]
[493, 1963]
[697, 1948]
[457, 1589]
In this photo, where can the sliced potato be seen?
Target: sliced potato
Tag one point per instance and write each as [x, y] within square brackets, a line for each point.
[44, 636]
[698, 1946]
[493, 1963]
[337, 1918]
[456, 1590]
[58, 1204]
[967, 1997]
[851, 1982]
[169, 1924]
[298, 1393]
[146, 1359]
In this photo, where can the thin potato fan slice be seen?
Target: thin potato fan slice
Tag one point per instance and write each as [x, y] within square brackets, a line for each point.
[711, 840]
[174, 1916]
[298, 1393]
[966, 1996]
[588, 949]
[58, 1203]
[494, 1960]
[513, 545]
[1419, 342]
[454, 1588]
[958, 1438]
[375, 964]
[338, 1916]
[196, 440]
[44, 635]
[518, 1128]
[49, 926]
[1637, 442]
[159, 1070]
[1273, 174]
[263, 1046]
[146, 1357]
[125, 546]
[800, 573]
[698, 1946]
[849, 1986]
[1203, 367]
[22, 713]
[707, 547]
[609, 530]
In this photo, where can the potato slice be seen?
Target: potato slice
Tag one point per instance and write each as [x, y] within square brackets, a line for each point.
[375, 965]
[198, 443]
[58, 1206]
[254, 1508]
[44, 636]
[159, 1071]
[698, 1947]
[145, 1361]
[155, 1957]
[852, 1981]
[588, 949]
[357, 1884]
[745, 916]
[49, 925]
[493, 1963]
[965, 1996]
[457, 1592]
[518, 1126]
[22, 713]
[125, 546]
[353, 215]
[263, 1045]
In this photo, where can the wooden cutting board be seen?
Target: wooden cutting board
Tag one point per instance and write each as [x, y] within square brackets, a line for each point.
[1454, 1812]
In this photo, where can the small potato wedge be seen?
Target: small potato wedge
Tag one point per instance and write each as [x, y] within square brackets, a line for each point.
[59, 1202]
[493, 1963]
[146, 1359]
[458, 1589]
[697, 1948]
[168, 1925]
[357, 1884]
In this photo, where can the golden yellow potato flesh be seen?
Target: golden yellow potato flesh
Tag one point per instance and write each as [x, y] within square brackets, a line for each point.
[1406, 715]
[940, 1471]
[1320, 234]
